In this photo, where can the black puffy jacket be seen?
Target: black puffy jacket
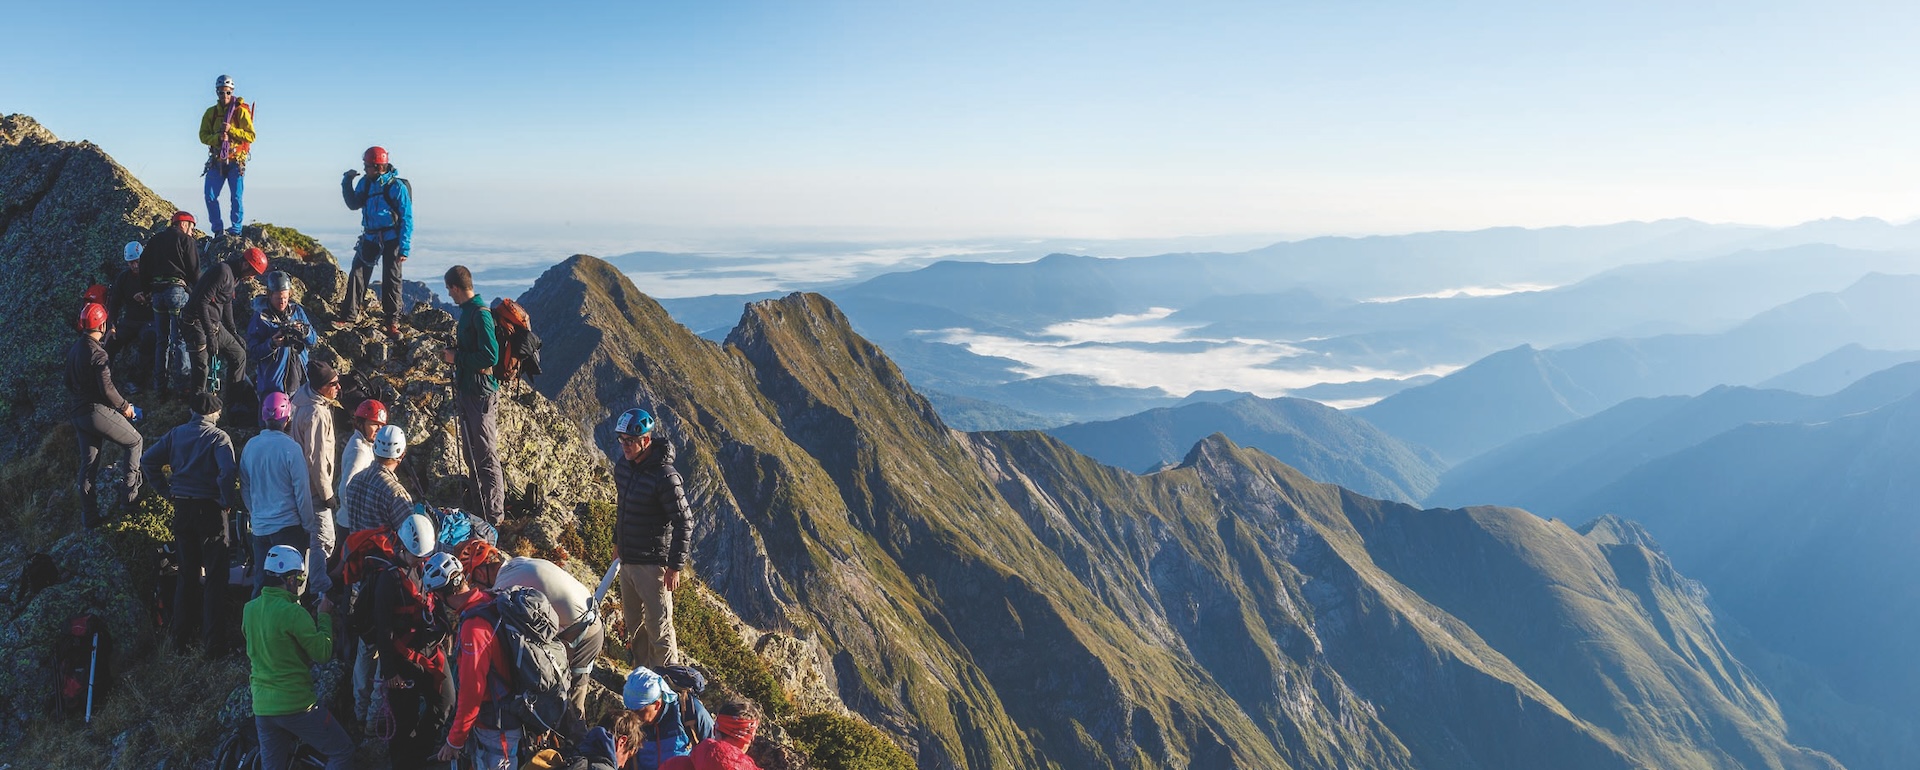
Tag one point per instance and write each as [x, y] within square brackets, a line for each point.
[655, 523]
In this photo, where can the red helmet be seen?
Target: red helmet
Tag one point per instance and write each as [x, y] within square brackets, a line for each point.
[257, 260]
[182, 216]
[372, 409]
[374, 155]
[92, 316]
[96, 294]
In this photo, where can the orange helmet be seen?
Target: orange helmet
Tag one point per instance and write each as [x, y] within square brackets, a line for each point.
[480, 559]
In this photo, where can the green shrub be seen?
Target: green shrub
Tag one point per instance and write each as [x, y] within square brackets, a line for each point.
[835, 742]
[597, 520]
[301, 243]
[709, 638]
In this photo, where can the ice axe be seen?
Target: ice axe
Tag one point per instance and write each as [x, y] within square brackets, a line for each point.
[606, 582]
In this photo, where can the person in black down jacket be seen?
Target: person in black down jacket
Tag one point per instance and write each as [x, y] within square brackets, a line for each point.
[652, 536]
[211, 328]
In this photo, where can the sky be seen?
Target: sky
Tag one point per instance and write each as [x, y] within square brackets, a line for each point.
[672, 125]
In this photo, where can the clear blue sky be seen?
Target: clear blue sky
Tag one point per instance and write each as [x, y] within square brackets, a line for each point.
[1075, 119]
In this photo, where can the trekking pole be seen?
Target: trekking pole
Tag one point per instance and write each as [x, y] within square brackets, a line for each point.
[93, 667]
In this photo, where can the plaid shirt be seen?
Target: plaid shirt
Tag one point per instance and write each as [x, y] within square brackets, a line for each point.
[375, 499]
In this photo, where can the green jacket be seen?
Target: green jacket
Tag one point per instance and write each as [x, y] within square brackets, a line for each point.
[476, 349]
[283, 641]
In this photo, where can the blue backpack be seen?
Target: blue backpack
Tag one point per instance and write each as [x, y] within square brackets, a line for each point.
[456, 526]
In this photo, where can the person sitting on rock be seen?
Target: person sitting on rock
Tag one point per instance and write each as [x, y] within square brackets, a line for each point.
[663, 716]
[273, 481]
[130, 319]
[279, 333]
[211, 327]
[580, 628]
[171, 263]
[604, 749]
[283, 642]
[201, 491]
[99, 414]
[734, 725]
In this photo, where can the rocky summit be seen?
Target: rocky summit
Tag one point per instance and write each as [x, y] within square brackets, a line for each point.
[988, 600]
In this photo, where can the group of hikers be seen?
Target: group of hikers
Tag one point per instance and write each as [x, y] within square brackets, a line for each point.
[456, 651]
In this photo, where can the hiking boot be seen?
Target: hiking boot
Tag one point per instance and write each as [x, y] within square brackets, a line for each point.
[341, 324]
[393, 330]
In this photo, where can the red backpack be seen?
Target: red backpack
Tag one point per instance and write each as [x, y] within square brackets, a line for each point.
[81, 665]
[519, 347]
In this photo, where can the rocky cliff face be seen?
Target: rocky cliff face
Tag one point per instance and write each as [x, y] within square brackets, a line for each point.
[66, 209]
[1003, 601]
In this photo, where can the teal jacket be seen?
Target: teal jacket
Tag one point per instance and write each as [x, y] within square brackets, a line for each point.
[283, 642]
[476, 349]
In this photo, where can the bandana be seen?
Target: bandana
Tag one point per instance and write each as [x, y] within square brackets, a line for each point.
[735, 730]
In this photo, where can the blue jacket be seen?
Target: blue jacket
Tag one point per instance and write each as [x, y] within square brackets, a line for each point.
[265, 323]
[202, 460]
[273, 477]
[666, 738]
[385, 205]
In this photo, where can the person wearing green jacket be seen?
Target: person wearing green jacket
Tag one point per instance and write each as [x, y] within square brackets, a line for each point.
[475, 352]
[283, 643]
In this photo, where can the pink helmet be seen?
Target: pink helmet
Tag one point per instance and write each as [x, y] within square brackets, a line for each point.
[276, 408]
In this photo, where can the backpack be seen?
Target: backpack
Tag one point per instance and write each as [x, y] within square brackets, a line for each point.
[527, 630]
[519, 346]
[688, 683]
[81, 670]
[456, 526]
[369, 553]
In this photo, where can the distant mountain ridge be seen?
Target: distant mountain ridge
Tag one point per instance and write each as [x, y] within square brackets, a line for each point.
[1324, 443]
[1524, 390]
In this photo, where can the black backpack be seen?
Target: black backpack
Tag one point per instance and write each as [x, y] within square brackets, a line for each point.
[688, 683]
[35, 576]
[81, 665]
[160, 604]
[527, 631]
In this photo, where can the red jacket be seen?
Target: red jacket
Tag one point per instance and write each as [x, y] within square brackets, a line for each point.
[712, 755]
[484, 675]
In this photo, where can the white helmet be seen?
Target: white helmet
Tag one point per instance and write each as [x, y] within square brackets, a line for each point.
[283, 559]
[132, 251]
[222, 82]
[416, 535]
[442, 570]
[390, 442]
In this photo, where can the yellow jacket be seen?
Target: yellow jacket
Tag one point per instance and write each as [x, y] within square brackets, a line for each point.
[239, 135]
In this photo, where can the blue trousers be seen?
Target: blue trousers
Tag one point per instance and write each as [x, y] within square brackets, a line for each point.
[233, 176]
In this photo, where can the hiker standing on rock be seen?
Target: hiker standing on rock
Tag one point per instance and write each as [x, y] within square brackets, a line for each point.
[226, 129]
[368, 418]
[130, 318]
[100, 414]
[385, 203]
[652, 535]
[375, 498]
[312, 428]
[212, 330]
[201, 491]
[283, 642]
[475, 352]
[171, 263]
[273, 480]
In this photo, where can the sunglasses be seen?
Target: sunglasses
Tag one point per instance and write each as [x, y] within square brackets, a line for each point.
[633, 440]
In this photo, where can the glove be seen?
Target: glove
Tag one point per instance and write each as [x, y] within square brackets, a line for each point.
[350, 174]
[331, 503]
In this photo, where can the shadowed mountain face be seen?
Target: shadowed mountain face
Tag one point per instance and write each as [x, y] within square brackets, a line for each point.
[1003, 601]
[1324, 443]
[1806, 535]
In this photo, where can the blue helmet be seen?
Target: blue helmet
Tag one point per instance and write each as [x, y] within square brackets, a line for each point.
[634, 422]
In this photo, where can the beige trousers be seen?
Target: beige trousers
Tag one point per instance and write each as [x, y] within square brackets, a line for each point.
[648, 607]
